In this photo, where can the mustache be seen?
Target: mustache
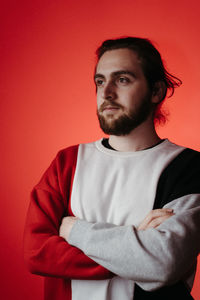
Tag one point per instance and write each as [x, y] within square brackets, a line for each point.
[109, 103]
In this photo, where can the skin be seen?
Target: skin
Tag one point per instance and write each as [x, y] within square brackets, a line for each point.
[155, 218]
[121, 86]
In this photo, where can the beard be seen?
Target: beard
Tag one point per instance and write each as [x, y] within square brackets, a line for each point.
[126, 122]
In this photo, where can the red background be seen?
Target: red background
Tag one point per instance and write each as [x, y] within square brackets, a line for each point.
[47, 96]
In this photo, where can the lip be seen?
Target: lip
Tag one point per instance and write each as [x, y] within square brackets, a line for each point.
[110, 108]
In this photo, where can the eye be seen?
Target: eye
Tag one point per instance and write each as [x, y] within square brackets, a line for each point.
[99, 82]
[123, 80]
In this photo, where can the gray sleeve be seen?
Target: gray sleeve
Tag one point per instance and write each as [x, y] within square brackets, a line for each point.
[153, 257]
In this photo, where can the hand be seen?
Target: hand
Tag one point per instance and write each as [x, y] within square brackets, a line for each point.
[155, 218]
[66, 226]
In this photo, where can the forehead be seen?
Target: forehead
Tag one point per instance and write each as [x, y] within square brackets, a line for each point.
[119, 59]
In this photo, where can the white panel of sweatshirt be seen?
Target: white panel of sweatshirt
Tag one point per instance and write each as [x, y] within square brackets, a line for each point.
[118, 188]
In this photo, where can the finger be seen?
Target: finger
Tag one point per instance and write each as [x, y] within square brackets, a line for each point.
[158, 221]
[153, 215]
[159, 212]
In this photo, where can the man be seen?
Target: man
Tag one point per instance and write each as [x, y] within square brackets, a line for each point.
[119, 218]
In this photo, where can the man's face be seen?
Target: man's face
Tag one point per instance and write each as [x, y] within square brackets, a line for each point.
[124, 100]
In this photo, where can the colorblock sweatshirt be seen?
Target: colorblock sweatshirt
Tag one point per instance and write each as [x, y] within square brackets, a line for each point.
[111, 192]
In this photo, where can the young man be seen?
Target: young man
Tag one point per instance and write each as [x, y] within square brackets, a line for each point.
[119, 218]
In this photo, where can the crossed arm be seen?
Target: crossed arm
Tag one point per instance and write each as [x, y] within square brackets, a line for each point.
[48, 254]
[173, 245]
[152, 220]
[162, 251]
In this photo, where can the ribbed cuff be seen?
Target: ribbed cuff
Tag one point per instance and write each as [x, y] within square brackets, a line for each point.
[78, 233]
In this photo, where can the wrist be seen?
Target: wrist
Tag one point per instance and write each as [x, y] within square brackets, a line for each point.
[66, 227]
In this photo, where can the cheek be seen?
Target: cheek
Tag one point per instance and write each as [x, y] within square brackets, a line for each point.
[99, 100]
[139, 93]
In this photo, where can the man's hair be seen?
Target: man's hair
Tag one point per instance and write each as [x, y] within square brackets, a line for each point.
[151, 63]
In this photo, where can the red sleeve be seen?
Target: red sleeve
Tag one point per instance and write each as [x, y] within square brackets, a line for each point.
[46, 253]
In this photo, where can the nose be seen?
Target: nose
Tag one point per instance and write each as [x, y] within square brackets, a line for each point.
[109, 91]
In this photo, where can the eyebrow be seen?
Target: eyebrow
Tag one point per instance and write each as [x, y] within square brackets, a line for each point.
[115, 74]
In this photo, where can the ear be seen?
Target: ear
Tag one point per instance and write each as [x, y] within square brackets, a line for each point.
[159, 92]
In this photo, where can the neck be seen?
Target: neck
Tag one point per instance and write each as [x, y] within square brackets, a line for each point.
[142, 137]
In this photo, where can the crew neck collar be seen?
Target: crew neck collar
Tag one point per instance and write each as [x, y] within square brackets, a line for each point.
[105, 143]
[114, 152]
